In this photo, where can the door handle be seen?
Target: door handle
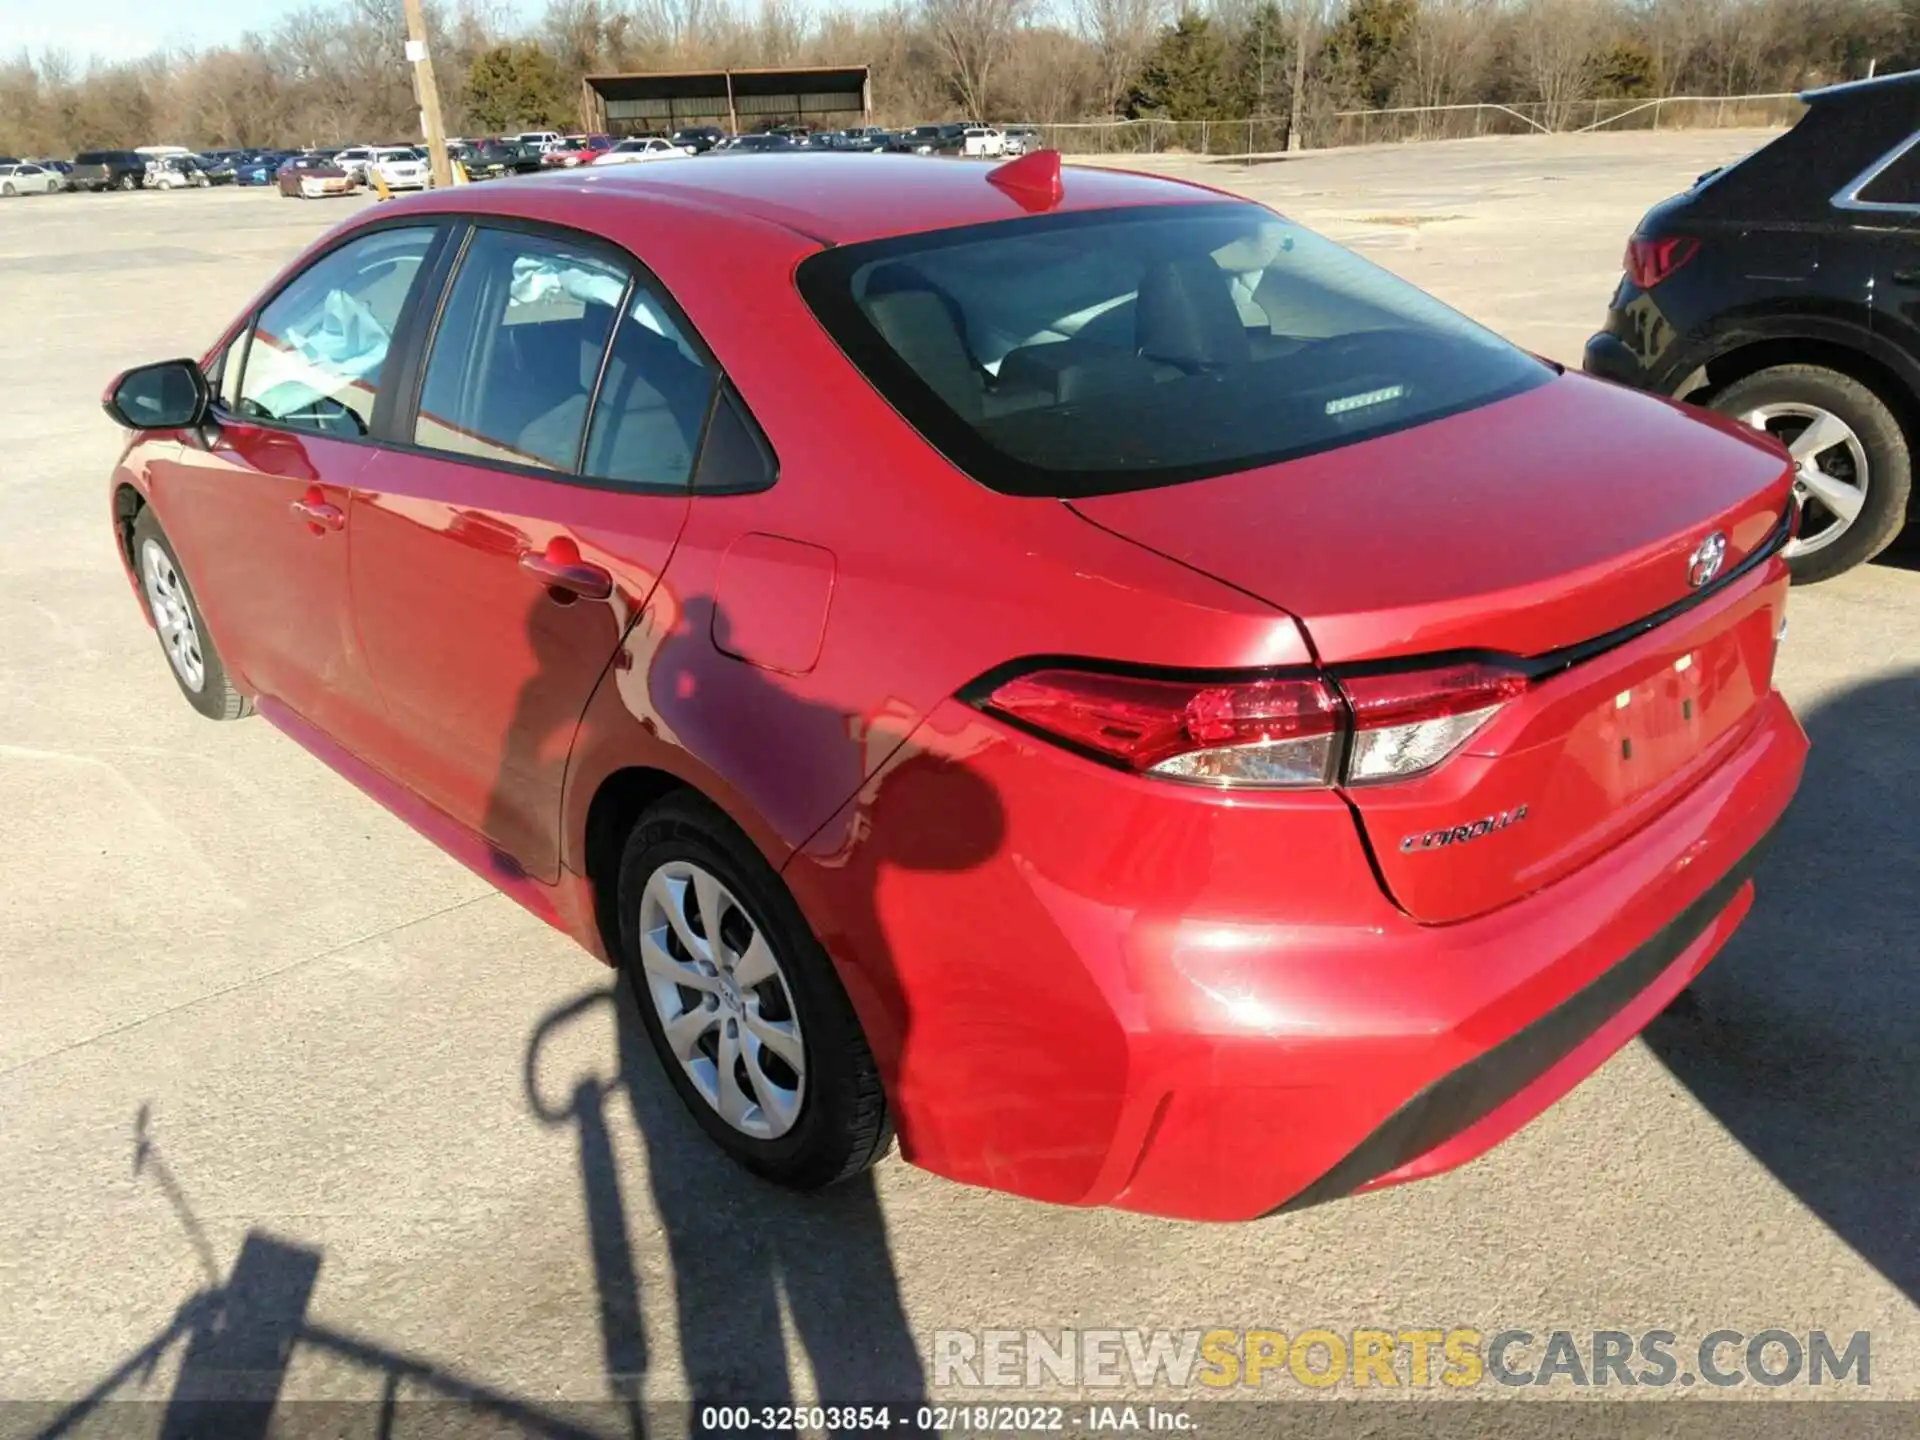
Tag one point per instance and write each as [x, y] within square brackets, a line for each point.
[318, 514]
[558, 570]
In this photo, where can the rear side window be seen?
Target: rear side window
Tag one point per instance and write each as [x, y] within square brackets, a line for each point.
[518, 351]
[321, 344]
[1898, 182]
[653, 401]
[1113, 350]
[553, 355]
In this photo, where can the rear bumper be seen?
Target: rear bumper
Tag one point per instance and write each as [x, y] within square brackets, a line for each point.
[1610, 358]
[1468, 1110]
[1138, 997]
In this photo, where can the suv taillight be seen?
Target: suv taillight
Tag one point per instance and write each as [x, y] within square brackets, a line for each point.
[1281, 733]
[1649, 261]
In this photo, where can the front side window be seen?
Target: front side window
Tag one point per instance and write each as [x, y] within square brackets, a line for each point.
[320, 346]
[1112, 350]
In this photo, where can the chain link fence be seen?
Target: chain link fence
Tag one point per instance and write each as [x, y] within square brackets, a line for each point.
[1324, 128]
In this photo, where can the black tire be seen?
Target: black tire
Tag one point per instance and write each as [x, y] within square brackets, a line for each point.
[129, 181]
[216, 697]
[843, 1126]
[1889, 463]
[8, 190]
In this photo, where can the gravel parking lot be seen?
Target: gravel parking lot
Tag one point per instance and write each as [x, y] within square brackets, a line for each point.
[285, 1092]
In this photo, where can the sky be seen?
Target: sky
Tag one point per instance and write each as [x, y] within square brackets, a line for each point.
[126, 29]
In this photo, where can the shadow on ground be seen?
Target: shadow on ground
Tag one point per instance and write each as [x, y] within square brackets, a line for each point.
[1803, 1037]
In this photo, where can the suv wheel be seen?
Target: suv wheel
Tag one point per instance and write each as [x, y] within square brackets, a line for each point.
[129, 181]
[1853, 468]
[742, 1004]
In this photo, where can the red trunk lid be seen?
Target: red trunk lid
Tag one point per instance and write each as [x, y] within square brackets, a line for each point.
[1524, 527]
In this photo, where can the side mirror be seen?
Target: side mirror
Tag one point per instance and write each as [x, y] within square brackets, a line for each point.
[173, 395]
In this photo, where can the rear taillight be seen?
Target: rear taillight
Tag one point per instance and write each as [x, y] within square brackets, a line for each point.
[1283, 733]
[1649, 261]
[1406, 723]
[1271, 734]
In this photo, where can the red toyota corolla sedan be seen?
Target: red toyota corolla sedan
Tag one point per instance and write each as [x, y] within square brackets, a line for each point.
[1077, 669]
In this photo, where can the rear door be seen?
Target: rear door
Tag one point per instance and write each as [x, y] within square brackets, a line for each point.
[260, 515]
[531, 501]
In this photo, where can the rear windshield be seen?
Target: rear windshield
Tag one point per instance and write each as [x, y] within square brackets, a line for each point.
[1115, 350]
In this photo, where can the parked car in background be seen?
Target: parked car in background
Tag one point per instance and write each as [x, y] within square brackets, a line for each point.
[310, 177]
[260, 167]
[108, 170]
[1020, 139]
[176, 172]
[401, 167]
[496, 159]
[698, 139]
[219, 169]
[1784, 290]
[628, 152]
[354, 160]
[920, 140]
[48, 162]
[1153, 706]
[760, 143]
[981, 141]
[24, 178]
[577, 150]
[541, 140]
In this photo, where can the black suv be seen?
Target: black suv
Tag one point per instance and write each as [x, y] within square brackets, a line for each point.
[108, 170]
[699, 138]
[1784, 290]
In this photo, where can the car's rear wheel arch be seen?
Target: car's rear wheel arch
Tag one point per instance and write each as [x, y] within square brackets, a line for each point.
[1897, 390]
[617, 805]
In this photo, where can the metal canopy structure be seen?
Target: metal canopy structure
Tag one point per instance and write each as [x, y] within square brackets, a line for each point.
[821, 97]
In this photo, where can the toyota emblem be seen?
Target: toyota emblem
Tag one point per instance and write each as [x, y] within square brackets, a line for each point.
[1706, 560]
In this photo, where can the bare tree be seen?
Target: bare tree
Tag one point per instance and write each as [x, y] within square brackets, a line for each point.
[1121, 33]
[780, 32]
[973, 37]
[1553, 50]
[1448, 52]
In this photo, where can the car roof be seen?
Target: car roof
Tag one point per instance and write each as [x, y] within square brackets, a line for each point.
[841, 199]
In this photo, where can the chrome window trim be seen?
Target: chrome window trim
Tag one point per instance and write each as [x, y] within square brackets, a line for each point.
[1848, 196]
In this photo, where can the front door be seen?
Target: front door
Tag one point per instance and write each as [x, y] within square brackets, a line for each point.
[261, 515]
[498, 564]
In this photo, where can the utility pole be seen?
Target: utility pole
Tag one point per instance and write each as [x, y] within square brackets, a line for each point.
[1302, 33]
[428, 90]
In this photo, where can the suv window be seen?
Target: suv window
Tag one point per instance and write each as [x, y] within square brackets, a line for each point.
[1113, 350]
[1899, 183]
[320, 345]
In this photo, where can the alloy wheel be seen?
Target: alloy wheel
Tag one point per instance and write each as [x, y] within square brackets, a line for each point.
[173, 616]
[1829, 470]
[722, 999]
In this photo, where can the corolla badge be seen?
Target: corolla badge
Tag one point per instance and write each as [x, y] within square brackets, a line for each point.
[1707, 558]
[1461, 834]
